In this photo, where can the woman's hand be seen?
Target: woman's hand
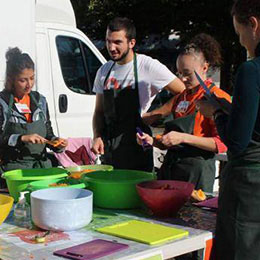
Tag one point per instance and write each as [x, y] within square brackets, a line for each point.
[172, 138]
[98, 146]
[62, 143]
[33, 139]
[144, 137]
[206, 108]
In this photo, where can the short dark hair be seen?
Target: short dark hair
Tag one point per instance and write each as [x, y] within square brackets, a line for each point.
[16, 62]
[244, 9]
[123, 23]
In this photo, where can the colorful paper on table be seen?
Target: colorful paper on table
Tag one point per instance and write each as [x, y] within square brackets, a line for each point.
[144, 232]
[210, 203]
[91, 250]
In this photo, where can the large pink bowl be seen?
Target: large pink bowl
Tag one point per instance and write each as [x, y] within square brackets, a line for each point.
[164, 197]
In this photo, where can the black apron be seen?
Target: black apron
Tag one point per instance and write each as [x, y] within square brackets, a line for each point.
[27, 155]
[185, 162]
[238, 219]
[122, 116]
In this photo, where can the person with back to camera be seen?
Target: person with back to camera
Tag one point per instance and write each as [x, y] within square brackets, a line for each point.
[25, 125]
[238, 219]
[125, 87]
[191, 139]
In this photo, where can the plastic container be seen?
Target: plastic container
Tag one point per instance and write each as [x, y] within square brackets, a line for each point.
[61, 209]
[164, 197]
[17, 180]
[6, 203]
[45, 184]
[22, 212]
[116, 189]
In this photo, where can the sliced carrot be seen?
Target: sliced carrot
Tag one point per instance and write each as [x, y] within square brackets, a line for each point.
[198, 195]
[158, 137]
[58, 185]
[54, 143]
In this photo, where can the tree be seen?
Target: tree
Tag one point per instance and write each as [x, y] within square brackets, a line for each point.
[186, 17]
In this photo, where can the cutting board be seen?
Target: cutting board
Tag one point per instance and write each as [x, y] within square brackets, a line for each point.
[91, 250]
[210, 203]
[144, 232]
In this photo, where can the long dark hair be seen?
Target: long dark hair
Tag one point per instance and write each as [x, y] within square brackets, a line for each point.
[16, 62]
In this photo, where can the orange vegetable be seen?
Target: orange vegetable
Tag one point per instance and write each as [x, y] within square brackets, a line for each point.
[158, 137]
[77, 175]
[198, 195]
[54, 143]
[166, 187]
[58, 185]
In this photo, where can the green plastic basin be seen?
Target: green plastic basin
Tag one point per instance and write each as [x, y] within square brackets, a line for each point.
[116, 189]
[96, 167]
[17, 180]
[45, 184]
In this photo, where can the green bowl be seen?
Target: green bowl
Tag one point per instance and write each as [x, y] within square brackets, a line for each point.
[116, 189]
[45, 184]
[96, 167]
[17, 180]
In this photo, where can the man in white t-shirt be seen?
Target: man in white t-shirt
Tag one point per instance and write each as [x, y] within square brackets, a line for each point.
[125, 87]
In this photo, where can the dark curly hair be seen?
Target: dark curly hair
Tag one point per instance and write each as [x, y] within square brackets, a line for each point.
[16, 62]
[244, 9]
[205, 44]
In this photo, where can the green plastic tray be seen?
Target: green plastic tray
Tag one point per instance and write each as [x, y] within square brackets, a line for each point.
[17, 180]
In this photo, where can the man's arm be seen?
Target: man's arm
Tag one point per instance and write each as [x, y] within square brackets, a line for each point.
[175, 87]
[98, 125]
[98, 118]
[156, 114]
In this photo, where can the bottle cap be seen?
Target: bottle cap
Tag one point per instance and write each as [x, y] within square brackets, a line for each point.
[22, 194]
[98, 161]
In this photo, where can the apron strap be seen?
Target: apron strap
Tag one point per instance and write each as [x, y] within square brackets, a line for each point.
[108, 73]
[10, 106]
[9, 113]
[41, 114]
[135, 75]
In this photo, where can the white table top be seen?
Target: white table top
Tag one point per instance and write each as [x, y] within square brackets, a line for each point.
[12, 247]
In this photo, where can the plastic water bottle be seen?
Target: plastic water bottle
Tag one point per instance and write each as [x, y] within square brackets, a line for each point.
[22, 212]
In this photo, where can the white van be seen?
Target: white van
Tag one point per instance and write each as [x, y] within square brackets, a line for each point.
[66, 60]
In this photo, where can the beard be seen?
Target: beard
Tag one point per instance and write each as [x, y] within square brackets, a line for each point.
[123, 55]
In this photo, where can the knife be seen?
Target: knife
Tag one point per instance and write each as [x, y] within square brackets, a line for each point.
[211, 96]
[145, 145]
[204, 86]
[208, 95]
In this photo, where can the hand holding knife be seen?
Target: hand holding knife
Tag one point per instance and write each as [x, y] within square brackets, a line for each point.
[145, 145]
[211, 97]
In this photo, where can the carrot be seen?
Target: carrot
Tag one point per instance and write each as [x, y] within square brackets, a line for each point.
[158, 137]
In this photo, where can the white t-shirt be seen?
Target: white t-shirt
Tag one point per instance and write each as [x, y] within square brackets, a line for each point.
[153, 76]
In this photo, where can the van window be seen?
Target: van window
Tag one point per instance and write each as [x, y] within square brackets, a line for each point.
[78, 64]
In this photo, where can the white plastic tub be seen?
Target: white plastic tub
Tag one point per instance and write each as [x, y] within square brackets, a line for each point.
[61, 209]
